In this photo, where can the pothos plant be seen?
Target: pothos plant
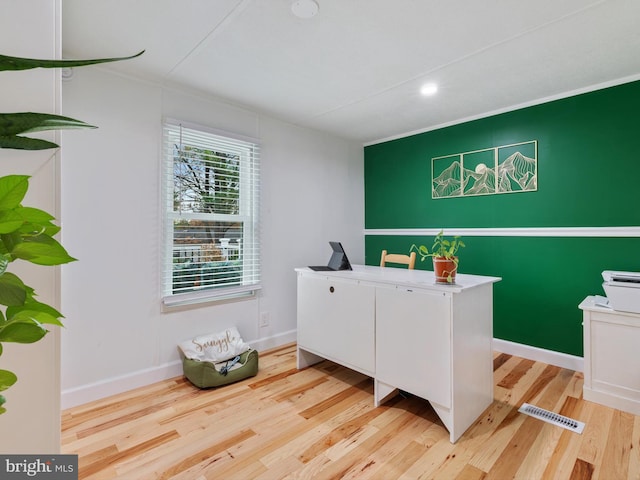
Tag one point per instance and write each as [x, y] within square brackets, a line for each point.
[442, 248]
[27, 233]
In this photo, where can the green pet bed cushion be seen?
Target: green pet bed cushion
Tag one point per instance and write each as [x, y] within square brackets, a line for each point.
[208, 374]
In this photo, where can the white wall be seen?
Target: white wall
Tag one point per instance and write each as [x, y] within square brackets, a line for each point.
[117, 336]
[31, 28]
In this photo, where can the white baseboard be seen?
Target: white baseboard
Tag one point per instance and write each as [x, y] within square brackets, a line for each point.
[267, 343]
[558, 359]
[73, 397]
[95, 391]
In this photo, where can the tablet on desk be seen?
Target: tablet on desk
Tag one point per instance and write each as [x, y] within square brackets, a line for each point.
[338, 260]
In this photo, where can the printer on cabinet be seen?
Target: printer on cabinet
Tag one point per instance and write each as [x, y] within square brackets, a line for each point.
[623, 290]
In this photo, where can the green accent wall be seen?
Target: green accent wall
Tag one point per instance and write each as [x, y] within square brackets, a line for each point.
[588, 176]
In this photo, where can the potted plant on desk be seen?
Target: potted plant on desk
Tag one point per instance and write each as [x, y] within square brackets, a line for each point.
[443, 252]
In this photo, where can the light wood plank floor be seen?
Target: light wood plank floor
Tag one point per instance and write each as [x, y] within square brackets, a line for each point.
[320, 423]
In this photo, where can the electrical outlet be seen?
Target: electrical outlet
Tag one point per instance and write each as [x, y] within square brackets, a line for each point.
[264, 319]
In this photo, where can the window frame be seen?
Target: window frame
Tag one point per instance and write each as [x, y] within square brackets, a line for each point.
[247, 149]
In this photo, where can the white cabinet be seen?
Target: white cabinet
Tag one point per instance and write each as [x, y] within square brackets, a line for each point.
[336, 320]
[437, 345]
[415, 352]
[611, 360]
[406, 332]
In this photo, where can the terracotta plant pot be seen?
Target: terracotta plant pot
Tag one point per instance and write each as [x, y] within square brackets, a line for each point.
[445, 269]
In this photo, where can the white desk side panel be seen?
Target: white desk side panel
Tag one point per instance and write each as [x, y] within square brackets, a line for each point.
[472, 357]
[413, 352]
[336, 320]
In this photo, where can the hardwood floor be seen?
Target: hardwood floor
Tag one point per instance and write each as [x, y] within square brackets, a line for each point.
[320, 423]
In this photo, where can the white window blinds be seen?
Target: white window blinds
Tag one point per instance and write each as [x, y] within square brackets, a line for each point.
[211, 193]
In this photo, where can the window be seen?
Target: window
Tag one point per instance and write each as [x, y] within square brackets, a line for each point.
[211, 192]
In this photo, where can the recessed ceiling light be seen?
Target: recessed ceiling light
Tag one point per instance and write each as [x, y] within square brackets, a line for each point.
[304, 8]
[429, 89]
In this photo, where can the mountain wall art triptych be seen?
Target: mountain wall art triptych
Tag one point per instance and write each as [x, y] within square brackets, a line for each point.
[505, 169]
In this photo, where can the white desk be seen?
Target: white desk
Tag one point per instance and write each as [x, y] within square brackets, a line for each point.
[406, 332]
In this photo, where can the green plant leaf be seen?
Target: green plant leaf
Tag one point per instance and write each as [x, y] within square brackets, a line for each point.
[12, 190]
[22, 332]
[12, 290]
[19, 63]
[41, 250]
[7, 379]
[33, 315]
[10, 221]
[35, 215]
[49, 230]
[34, 305]
[26, 143]
[9, 241]
[12, 124]
[30, 230]
[26, 222]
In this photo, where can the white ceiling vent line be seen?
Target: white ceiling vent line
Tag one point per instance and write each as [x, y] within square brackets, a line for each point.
[215, 30]
[552, 418]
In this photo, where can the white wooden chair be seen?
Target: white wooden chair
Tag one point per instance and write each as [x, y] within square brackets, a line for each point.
[409, 260]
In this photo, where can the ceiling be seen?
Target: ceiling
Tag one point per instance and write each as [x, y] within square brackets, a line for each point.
[356, 68]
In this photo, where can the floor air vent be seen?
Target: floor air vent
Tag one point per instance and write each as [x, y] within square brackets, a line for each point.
[552, 418]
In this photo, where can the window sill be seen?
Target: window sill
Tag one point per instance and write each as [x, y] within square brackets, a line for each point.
[171, 302]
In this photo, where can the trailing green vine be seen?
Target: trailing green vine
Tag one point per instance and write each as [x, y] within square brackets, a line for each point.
[27, 233]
